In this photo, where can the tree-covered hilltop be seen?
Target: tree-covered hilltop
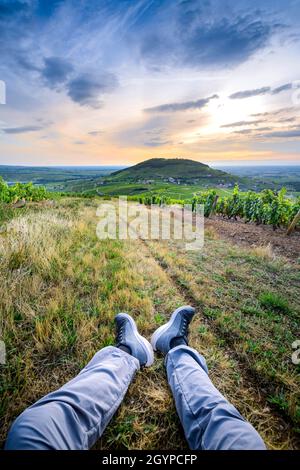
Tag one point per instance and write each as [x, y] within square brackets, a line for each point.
[177, 169]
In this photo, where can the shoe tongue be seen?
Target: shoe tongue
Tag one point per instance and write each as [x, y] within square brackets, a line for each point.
[178, 341]
[124, 348]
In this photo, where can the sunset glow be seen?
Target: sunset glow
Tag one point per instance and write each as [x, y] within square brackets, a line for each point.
[110, 83]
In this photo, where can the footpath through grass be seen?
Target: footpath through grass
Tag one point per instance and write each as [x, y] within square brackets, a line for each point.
[61, 288]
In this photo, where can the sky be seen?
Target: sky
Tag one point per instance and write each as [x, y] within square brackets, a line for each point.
[104, 82]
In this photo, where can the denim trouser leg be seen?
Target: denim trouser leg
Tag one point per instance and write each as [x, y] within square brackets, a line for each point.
[75, 416]
[208, 419]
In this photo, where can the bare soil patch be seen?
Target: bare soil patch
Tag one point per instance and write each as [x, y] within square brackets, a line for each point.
[257, 235]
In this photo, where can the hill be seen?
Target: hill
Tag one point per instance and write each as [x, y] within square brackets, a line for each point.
[177, 169]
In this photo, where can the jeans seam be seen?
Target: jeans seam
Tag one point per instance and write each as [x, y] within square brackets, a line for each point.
[184, 396]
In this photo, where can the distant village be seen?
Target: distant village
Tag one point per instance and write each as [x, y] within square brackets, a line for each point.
[221, 184]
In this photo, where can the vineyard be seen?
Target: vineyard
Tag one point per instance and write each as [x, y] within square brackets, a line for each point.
[19, 191]
[267, 207]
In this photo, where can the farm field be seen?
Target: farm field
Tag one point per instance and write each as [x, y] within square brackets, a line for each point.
[54, 176]
[62, 287]
[183, 191]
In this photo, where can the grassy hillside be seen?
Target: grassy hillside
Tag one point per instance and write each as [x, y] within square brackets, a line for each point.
[61, 288]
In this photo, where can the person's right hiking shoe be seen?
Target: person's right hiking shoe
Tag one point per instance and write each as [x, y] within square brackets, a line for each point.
[130, 341]
[174, 332]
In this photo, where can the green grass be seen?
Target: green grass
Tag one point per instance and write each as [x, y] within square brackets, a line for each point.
[182, 191]
[275, 302]
[6, 213]
[61, 288]
[245, 299]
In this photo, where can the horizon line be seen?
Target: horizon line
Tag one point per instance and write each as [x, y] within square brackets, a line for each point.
[213, 164]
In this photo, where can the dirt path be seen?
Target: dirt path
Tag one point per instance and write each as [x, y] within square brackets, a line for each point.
[257, 235]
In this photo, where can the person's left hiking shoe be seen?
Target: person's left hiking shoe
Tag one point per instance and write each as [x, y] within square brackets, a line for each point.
[174, 332]
[130, 341]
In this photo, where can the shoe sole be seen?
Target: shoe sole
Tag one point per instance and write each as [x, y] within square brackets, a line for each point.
[161, 330]
[147, 348]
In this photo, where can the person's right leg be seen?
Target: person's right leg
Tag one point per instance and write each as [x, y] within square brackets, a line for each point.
[209, 421]
[75, 416]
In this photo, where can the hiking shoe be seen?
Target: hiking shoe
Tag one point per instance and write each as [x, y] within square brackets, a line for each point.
[130, 341]
[174, 332]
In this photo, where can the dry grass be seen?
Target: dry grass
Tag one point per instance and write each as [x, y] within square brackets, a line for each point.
[60, 290]
[210, 233]
[264, 252]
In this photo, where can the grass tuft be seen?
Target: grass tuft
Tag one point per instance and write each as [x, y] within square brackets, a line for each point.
[264, 252]
[275, 302]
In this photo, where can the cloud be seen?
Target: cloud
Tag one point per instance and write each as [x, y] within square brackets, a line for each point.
[22, 130]
[95, 133]
[243, 131]
[283, 134]
[79, 142]
[225, 41]
[262, 91]
[252, 131]
[56, 71]
[266, 128]
[87, 89]
[274, 113]
[157, 143]
[291, 119]
[204, 34]
[26, 63]
[84, 88]
[249, 93]
[243, 123]
[174, 107]
[287, 86]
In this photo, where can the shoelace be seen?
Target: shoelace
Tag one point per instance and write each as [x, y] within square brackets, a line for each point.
[121, 333]
[184, 326]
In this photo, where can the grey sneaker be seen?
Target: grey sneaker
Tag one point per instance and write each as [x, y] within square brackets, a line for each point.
[129, 340]
[174, 332]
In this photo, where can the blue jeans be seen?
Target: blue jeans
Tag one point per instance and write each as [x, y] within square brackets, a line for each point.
[76, 415]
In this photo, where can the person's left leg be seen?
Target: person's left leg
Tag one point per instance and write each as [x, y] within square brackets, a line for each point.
[75, 416]
[209, 421]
